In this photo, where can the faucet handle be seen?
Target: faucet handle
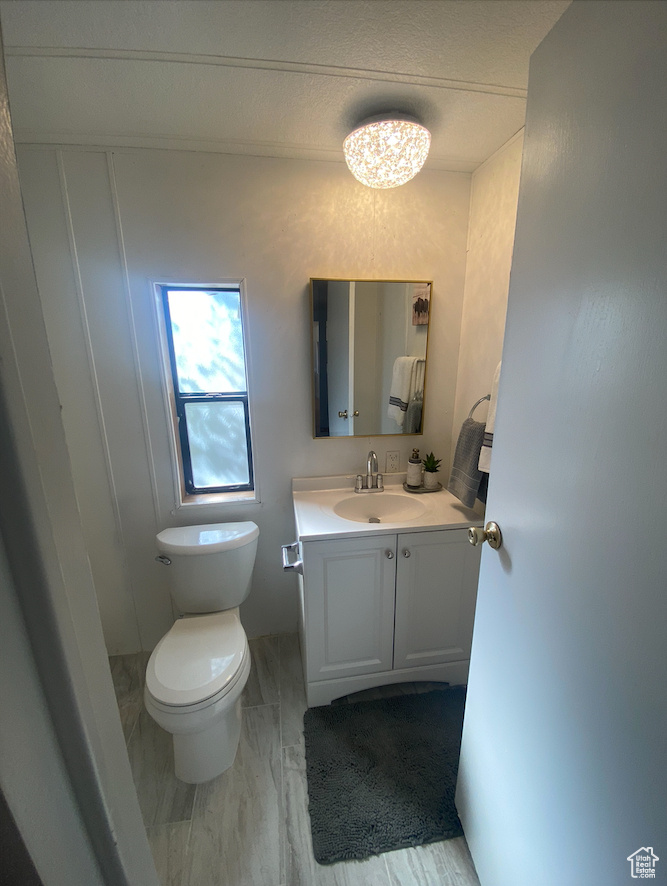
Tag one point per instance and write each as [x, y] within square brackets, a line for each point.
[380, 482]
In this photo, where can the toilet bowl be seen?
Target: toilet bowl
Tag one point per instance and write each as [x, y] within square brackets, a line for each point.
[197, 672]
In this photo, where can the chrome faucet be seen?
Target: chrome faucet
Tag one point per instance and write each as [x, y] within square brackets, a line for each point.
[373, 481]
[371, 469]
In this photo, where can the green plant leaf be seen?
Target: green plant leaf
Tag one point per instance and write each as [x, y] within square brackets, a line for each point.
[431, 463]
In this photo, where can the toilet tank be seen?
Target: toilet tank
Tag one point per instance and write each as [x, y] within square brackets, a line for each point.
[210, 566]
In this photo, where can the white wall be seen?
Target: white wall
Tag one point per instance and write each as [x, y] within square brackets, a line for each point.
[64, 770]
[103, 224]
[493, 204]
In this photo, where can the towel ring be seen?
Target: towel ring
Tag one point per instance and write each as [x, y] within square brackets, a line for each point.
[481, 400]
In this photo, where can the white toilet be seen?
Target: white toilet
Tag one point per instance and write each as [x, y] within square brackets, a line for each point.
[196, 673]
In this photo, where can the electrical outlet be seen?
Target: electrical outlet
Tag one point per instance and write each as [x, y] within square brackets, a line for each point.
[391, 465]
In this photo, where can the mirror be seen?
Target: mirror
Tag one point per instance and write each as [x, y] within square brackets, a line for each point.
[369, 342]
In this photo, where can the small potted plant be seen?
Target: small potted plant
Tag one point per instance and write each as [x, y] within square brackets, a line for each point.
[431, 468]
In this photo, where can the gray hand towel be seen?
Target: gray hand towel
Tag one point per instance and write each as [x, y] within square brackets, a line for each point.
[413, 417]
[465, 477]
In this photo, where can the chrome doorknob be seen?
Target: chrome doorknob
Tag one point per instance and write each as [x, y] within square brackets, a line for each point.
[490, 533]
[406, 552]
[389, 555]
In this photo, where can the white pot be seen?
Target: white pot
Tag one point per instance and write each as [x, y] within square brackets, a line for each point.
[431, 480]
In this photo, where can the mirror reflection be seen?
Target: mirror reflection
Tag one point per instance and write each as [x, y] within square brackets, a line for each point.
[369, 341]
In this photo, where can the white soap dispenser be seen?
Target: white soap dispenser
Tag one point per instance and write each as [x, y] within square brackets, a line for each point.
[414, 478]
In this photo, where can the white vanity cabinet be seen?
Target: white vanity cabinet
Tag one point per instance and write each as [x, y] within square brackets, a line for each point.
[386, 609]
[436, 591]
[349, 606]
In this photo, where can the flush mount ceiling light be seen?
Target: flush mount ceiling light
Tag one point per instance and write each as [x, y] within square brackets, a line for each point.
[387, 151]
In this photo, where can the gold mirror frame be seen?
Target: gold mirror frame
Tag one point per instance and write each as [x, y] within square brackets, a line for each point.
[368, 338]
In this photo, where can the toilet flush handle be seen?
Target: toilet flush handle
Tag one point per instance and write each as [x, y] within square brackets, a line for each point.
[164, 560]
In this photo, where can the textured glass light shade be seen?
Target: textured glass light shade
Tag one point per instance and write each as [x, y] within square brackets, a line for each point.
[387, 153]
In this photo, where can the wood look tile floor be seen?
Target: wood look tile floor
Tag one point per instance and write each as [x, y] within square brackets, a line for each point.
[250, 826]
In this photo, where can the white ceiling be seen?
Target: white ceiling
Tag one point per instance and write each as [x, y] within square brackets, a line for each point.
[283, 78]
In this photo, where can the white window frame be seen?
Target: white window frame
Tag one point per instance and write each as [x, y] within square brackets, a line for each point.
[182, 498]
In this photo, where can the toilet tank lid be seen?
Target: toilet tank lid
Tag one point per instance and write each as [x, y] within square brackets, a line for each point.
[209, 538]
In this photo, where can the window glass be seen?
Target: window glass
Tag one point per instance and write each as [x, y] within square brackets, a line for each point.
[208, 340]
[204, 331]
[218, 444]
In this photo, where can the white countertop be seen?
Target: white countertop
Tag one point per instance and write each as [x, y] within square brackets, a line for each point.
[315, 497]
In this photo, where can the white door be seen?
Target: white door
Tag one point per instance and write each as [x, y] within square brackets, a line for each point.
[436, 586]
[563, 773]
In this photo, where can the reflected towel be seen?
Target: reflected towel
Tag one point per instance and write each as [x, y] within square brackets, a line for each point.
[402, 382]
[465, 479]
[413, 417]
[484, 463]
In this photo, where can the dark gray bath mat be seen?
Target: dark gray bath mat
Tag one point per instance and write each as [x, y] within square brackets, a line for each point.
[382, 774]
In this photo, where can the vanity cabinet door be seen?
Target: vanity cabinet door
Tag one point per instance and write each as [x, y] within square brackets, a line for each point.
[349, 606]
[436, 590]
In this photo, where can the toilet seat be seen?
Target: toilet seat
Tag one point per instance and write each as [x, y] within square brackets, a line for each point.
[198, 662]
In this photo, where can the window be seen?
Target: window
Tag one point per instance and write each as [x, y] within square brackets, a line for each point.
[204, 332]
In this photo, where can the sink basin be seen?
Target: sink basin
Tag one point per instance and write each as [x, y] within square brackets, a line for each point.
[379, 507]
[328, 508]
